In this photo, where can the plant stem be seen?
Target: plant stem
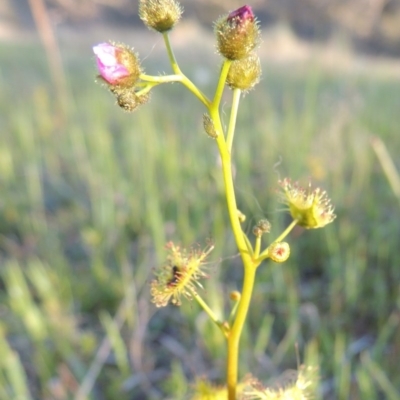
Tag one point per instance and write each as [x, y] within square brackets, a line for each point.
[184, 79]
[233, 335]
[232, 119]
[282, 236]
[249, 267]
[220, 87]
[208, 310]
[229, 187]
[171, 55]
[257, 247]
[249, 246]
[162, 78]
[286, 231]
[236, 331]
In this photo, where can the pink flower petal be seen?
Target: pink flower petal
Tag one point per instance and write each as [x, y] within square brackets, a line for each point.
[244, 13]
[109, 67]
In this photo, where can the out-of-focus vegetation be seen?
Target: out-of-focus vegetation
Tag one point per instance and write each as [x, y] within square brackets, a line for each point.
[372, 25]
[90, 194]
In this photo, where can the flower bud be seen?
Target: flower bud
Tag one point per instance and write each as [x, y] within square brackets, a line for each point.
[129, 100]
[235, 295]
[241, 216]
[245, 73]
[160, 15]
[279, 251]
[264, 225]
[209, 126]
[117, 64]
[237, 33]
[257, 232]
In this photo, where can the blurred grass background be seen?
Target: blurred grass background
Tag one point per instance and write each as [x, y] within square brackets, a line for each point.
[90, 195]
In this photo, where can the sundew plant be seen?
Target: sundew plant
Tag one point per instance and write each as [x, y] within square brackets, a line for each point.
[180, 278]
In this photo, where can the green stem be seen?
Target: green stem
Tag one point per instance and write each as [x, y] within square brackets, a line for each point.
[249, 246]
[282, 236]
[184, 79]
[171, 55]
[257, 247]
[233, 312]
[208, 310]
[221, 84]
[286, 231]
[161, 78]
[249, 267]
[146, 89]
[226, 160]
[236, 330]
[193, 88]
[229, 187]
[232, 120]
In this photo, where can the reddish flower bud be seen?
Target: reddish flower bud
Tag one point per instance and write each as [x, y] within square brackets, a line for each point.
[244, 13]
[237, 33]
[117, 64]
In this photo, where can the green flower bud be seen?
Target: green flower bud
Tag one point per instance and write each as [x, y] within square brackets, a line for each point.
[235, 295]
[209, 126]
[237, 33]
[264, 225]
[160, 15]
[257, 231]
[129, 100]
[241, 216]
[244, 74]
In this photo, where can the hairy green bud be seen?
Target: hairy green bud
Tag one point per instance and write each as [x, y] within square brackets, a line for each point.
[237, 33]
[244, 74]
[209, 126]
[160, 15]
[129, 100]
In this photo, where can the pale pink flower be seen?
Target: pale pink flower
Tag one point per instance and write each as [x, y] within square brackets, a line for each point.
[108, 63]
